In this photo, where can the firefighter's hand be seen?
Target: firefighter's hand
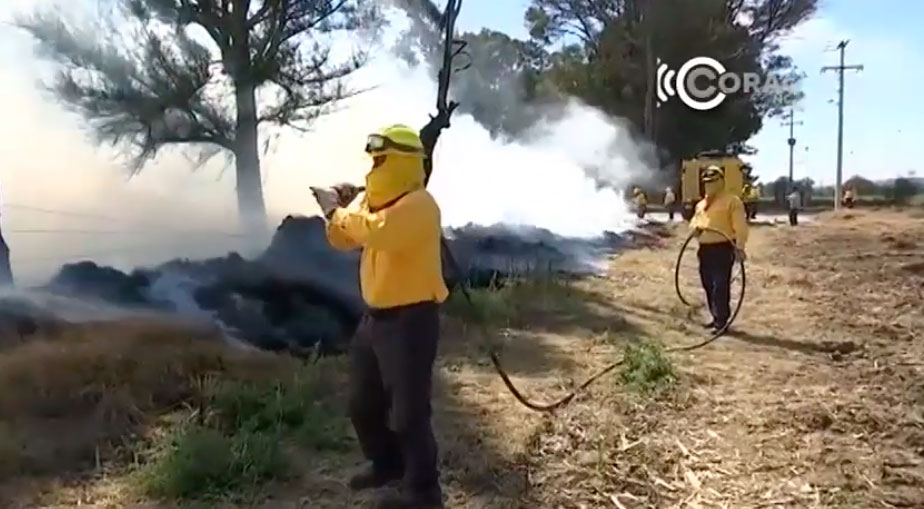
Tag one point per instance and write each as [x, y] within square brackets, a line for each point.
[697, 232]
[328, 199]
[740, 254]
[346, 193]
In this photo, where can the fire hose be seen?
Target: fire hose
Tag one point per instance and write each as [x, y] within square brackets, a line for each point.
[561, 402]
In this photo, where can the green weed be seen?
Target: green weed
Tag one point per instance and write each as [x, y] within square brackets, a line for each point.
[203, 462]
[648, 368]
[240, 443]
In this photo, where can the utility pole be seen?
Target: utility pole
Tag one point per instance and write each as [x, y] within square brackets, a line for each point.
[791, 141]
[840, 118]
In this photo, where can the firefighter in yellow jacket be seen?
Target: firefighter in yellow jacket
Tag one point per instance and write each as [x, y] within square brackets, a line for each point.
[641, 202]
[396, 223]
[751, 195]
[723, 211]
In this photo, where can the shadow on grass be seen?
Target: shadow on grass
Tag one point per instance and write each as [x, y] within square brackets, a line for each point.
[804, 347]
[558, 305]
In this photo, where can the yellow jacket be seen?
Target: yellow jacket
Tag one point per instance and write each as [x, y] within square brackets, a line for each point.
[724, 212]
[641, 200]
[401, 261]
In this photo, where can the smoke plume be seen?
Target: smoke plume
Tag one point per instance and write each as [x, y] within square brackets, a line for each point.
[543, 178]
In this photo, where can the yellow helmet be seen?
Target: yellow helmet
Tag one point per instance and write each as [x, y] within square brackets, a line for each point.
[713, 173]
[397, 138]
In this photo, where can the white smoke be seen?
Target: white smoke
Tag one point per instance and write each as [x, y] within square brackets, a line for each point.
[540, 180]
[544, 178]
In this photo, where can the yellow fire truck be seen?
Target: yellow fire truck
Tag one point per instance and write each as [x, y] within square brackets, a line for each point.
[737, 174]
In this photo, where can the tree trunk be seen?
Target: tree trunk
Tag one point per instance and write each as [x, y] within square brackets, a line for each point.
[251, 208]
[6, 273]
[650, 71]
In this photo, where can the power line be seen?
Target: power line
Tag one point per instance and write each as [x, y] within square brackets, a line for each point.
[126, 232]
[67, 213]
[840, 118]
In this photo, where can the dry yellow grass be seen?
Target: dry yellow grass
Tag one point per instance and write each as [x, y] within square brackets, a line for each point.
[814, 399]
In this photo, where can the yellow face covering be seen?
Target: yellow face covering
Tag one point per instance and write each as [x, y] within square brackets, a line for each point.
[398, 174]
[713, 188]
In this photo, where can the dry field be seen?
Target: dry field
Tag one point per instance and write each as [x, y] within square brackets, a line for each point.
[815, 399]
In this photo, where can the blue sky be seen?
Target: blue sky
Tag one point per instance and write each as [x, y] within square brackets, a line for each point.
[884, 111]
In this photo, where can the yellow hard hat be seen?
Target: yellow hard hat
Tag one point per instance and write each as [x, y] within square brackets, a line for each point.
[398, 137]
[713, 173]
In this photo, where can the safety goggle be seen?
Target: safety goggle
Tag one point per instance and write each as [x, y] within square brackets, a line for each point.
[379, 143]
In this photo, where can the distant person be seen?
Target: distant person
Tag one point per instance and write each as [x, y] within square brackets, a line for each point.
[641, 202]
[746, 199]
[670, 203]
[794, 200]
[753, 200]
[848, 198]
[722, 211]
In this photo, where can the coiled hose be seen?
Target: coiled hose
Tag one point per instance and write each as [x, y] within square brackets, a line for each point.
[554, 405]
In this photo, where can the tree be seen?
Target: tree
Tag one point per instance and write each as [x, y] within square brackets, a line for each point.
[614, 43]
[806, 187]
[779, 189]
[155, 84]
[501, 87]
[862, 185]
[903, 189]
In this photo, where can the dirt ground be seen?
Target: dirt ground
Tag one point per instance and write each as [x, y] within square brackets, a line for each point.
[814, 399]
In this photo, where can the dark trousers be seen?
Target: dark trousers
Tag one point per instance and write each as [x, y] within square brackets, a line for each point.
[715, 271]
[391, 374]
[671, 210]
[793, 217]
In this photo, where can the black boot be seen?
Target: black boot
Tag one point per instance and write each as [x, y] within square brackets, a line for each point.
[373, 477]
[418, 499]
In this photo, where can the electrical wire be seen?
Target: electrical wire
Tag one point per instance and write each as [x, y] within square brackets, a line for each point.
[160, 227]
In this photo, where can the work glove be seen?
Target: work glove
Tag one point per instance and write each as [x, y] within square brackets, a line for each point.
[328, 199]
[346, 193]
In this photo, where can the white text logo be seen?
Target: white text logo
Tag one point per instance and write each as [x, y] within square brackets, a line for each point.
[702, 83]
